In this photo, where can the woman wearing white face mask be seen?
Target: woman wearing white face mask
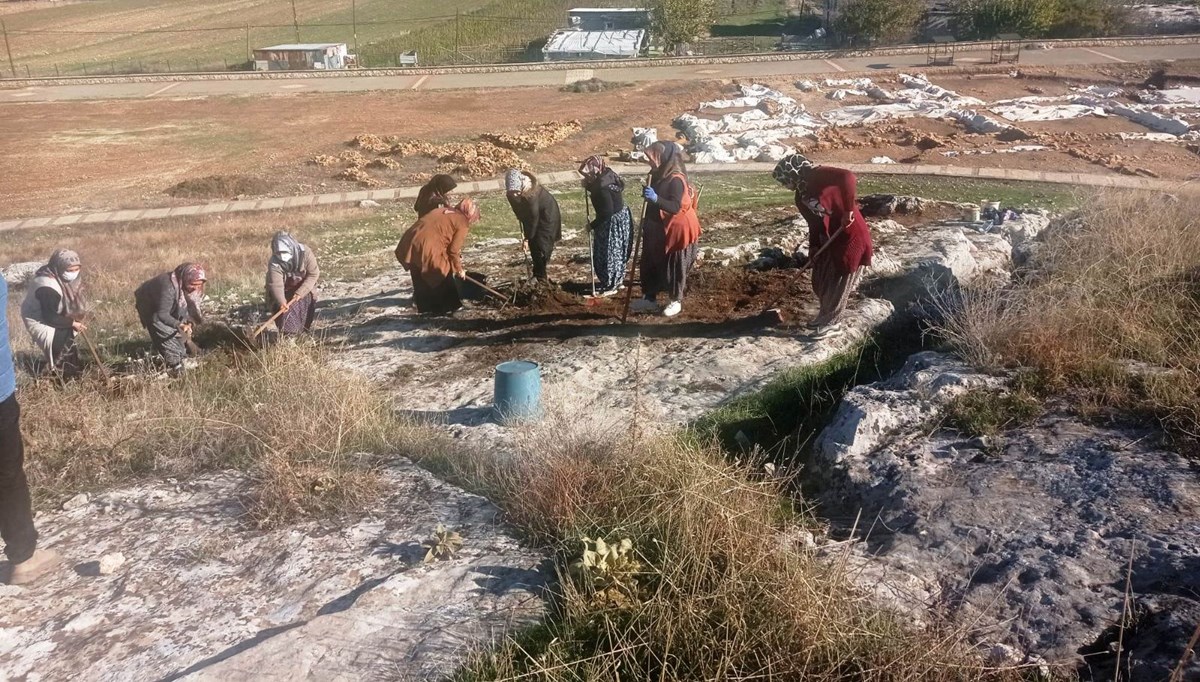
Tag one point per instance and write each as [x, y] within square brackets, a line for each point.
[168, 305]
[54, 310]
[292, 275]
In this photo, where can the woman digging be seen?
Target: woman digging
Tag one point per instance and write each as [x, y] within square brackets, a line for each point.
[434, 195]
[839, 241]
[540, 217]
[54, 309]
[168, 306]
[431, 251]
[613, 225]
[669, 232]
[292, 275]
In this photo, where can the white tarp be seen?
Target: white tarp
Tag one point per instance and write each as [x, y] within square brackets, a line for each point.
[977, 122]
[1018, 111]
[1185, 96]
[1017, 149]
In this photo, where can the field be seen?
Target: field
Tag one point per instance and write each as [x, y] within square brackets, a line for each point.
[135, 36]
[130, 154]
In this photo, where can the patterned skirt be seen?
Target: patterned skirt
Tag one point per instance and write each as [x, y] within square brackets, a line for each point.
[299, 318]
[611, 248]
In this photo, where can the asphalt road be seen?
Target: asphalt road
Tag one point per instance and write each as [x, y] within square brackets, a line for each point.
[1068, 56]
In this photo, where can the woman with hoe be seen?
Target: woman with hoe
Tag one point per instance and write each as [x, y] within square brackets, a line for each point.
[839, 241]
[669, 232]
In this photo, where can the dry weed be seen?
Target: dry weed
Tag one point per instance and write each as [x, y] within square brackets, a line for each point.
[295, 424]
[1110, 307]
[717, 594]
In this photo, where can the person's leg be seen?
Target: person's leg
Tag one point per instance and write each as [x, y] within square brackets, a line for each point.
[310, 303]
[16, 511]
[422, 296]
[169, 344]
[618, 249]
[654, 261]
[834, 294]
[679, 266]
[601, 247]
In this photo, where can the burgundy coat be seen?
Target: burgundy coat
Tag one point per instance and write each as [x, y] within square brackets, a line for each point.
[831, 194]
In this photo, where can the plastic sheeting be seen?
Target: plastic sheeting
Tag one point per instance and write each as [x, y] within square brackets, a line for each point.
[1020, 111]
[1185, 96]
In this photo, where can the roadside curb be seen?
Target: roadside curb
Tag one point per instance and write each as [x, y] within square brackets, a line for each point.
[566, 177]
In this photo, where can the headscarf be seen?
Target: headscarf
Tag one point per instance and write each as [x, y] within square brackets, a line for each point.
[282, 241]
[56, 267]
[470, 209]
[184, 275]
[667, 159]
[592, 167]
[442, 184]
[516, 181]
[792, 171]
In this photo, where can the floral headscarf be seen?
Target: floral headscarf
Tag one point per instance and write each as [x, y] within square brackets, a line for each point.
[470, 209]
[516, 181]
[793, 171]
[592, 167]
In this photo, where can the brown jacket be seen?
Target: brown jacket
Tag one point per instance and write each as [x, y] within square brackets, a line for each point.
[276, 278]
[432, 247]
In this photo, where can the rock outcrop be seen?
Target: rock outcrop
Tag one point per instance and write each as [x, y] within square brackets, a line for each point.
[163, 581]
[1026, 539]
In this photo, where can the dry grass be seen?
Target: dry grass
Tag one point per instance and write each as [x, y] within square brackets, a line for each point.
[717, 593]
[1109, 309]
[303, 430]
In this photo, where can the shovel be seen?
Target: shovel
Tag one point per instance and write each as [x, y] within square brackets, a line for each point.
[95, 355]
[263, 327]
[489, 290]
[637, 250]
[775, 311]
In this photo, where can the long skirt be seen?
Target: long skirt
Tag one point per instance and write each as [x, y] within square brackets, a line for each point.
[662, 271]
[833, 288]
[299, 318]
[541, 248]
[435, 299]
[611, 248]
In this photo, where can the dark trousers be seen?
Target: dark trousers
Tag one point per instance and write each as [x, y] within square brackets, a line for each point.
[662, 271]
[540, 251]
[437, 299]
[16, 509]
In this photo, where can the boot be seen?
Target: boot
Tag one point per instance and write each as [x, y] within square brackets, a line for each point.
[34, 567]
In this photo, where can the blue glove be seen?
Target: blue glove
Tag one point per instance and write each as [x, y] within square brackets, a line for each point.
[650, 194]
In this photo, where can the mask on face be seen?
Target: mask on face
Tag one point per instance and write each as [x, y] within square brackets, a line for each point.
[285, 256]
[70, 275]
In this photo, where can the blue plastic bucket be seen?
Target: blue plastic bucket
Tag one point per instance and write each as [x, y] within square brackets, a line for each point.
[518, 391]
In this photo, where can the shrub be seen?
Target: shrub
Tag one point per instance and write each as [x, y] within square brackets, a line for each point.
[988, 412]
[699, 581]
[988, 18]
[303, 431]
[870, 22]
[1110, 309]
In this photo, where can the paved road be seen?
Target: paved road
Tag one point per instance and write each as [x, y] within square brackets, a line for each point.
[1067, 56]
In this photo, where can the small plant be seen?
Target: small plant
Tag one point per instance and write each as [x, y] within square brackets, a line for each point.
[609, 570]
[443, 545]
[988, 412]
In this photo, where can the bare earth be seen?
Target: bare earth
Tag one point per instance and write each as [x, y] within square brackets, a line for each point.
[65, 157]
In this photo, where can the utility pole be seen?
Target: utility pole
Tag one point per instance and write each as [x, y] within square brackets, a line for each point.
[249, 52]
[8, 48]
[295, 21]
[354, 23]
[457, 35]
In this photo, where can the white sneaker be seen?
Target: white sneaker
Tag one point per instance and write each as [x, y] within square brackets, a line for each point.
[826, 332]
[673, 308]
[608, 294]
[644, 305]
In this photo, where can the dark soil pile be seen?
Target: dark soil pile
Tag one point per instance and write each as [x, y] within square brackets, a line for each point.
[221, 187]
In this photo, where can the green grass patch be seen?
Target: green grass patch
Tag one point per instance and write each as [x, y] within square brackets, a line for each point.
[987, 412]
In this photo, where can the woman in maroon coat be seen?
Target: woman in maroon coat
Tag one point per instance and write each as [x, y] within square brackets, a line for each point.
[839, 241]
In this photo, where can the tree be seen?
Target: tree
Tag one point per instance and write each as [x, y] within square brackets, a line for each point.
[989, 18]
[1089, 19]
[870, 22]
[682, 21]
